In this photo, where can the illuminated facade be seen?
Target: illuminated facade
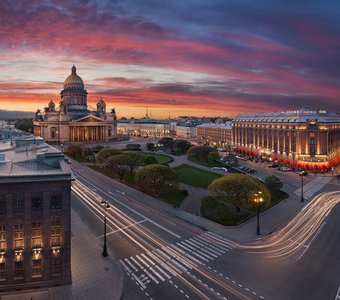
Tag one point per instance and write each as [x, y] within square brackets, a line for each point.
[216, 135]
[147, 128]
[303, 138]
[73, 121]
[35, 220]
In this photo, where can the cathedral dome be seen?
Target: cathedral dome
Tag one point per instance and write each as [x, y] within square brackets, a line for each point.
[73, 81]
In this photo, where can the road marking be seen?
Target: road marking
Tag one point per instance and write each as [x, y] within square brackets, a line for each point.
[131, 265]
[122, 228]
[157, 274]
[139, 281]
[337, 296]
[137, 263]
[149, 260]
[142, 261]
[162, 271]
[150, 276]
[314, 237]
[133, 210]
[125, 266]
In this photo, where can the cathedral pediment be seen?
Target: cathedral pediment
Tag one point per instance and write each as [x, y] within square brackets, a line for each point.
[89, 119]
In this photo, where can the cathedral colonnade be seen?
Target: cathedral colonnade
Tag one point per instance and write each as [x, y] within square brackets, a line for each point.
[90, 133]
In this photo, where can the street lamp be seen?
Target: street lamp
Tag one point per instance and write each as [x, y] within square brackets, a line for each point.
[302, 174]
[106, 205]
[258, 200]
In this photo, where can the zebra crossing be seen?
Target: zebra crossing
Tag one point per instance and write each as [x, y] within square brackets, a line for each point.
[162, 264]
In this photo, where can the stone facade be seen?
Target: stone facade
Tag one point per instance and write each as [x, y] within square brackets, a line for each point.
[303, 137]
[215, 134]
[35, 224]
[73, 121]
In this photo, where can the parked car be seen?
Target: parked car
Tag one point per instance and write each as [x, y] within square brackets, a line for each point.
[284, 169]
[252, 171]
[220, 168]
[273, 166]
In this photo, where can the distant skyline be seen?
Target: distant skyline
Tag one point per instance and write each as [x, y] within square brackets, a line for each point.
[203, 58]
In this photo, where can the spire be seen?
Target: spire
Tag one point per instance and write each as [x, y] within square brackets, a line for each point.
[73, 70]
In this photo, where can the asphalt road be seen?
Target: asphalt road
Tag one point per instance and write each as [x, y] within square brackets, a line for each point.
[167, 258]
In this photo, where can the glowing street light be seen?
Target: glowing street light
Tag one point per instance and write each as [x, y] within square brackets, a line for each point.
[258, 200]
[106, 204]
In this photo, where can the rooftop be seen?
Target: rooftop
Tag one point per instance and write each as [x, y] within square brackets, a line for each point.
[294, 116]
[32, 161]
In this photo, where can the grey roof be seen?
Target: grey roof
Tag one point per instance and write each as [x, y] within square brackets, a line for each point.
[226, 125]
[32, 162]
[295, 116]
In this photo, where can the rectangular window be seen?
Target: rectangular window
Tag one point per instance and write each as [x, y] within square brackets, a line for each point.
[55, 232]
[18, 206]
[56, 201]
[36, 267]
[2, 237]
[2, 270]
[36, 201]
[56, 264]
[18, 236]
[36, 234]
[19, 268]
[2, 205]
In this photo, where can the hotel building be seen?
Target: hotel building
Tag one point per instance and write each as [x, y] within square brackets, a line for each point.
[304, 138]
[35, 223]
[215, 134]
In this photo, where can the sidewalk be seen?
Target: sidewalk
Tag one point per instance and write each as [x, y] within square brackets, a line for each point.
[93, 276]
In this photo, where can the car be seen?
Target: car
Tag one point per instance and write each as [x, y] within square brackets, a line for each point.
[252, 171]
[273, 166]
[284, 169]
[220, 168]
[242, 168]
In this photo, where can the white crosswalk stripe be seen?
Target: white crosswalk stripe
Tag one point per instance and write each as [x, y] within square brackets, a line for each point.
[158, 265]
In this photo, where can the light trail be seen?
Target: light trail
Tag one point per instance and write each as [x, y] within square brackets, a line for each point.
[298, 232]
[140, 235]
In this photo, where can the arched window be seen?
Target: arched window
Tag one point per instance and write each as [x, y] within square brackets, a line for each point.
[53, 132]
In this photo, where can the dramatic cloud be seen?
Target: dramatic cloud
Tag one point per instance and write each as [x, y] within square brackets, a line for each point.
[231, 56]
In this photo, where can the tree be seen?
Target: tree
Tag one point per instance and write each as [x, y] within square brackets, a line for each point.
[75, 149]
[273, 183]
[200, 153]
[134, 159]
[119, 164]
[181, 146]
[150, 146]
[158, 177]
[24, 125]
[167, 142]
[149, 160]
[105, 153]
[212, 156]
[239, 190]
[133, 147]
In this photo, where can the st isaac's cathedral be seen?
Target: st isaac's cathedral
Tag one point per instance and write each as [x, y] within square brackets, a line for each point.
[73, 121]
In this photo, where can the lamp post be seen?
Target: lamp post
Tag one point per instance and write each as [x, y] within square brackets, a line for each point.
[302, 174]
[106, 207]
[258, 200]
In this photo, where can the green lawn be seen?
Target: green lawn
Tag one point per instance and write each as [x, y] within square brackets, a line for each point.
[162, 159]
[174, 197]
[194, 176]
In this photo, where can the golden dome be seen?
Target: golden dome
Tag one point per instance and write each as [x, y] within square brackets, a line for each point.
[73, 80]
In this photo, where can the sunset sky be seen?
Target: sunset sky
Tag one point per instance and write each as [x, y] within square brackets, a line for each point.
[193, 57]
